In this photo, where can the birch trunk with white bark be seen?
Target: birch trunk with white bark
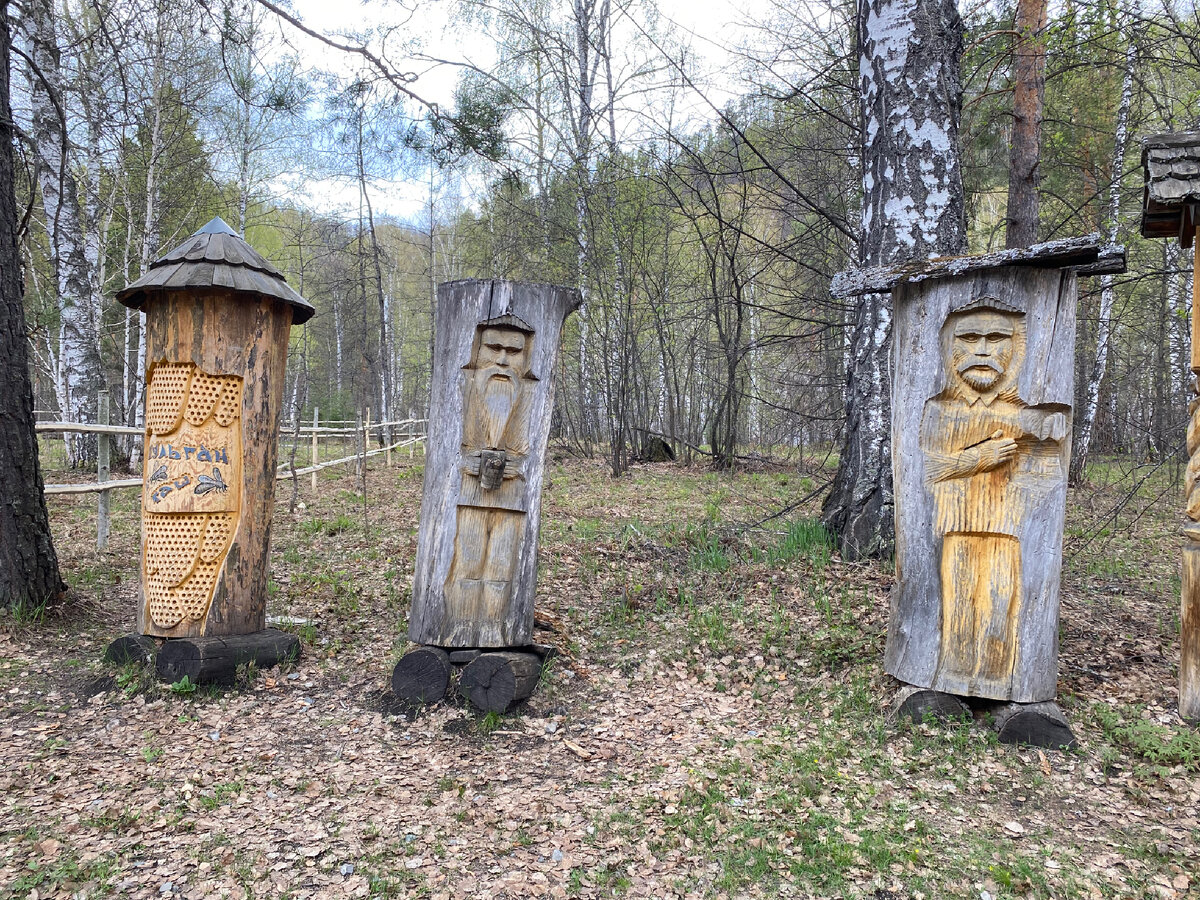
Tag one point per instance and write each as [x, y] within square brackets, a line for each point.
[911, 98]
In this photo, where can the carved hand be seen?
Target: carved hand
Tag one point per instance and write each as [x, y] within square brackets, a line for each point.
[995, 452]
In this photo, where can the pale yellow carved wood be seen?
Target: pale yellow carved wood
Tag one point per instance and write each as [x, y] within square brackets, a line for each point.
[497, 386]
[988, 459]
[192, 497]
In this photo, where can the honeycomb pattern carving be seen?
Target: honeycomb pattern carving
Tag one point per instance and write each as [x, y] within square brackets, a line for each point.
[193, 485]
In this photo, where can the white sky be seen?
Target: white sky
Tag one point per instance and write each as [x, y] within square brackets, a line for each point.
[709, 26]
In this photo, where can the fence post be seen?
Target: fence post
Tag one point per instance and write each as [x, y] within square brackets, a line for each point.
[316, 417]
[358, 443]
[412, 438]
[103, 467]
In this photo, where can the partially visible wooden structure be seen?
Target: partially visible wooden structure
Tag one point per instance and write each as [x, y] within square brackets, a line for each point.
[218, 318]
[1171, 209]
[495, 347]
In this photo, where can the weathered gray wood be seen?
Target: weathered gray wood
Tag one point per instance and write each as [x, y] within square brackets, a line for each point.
[1088, 253]
[422, 675]
[214, 660]
[494, 350]
[1171, 203]
[495, 681]
[1037, 724]
[980, 479]
[462, 657]
[131, 648]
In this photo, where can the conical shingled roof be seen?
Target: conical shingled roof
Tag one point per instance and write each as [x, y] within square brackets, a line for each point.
[215, 257]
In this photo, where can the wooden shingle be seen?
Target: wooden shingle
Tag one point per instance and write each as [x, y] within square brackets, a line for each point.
[1171, 201]
[215, 257]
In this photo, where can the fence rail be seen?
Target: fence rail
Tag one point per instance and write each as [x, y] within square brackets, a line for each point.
[413, 432]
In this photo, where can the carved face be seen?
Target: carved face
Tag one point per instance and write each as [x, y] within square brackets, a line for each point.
[982, 348]
[503, 348]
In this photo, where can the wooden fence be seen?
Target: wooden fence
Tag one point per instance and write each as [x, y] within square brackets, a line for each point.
[404, 433]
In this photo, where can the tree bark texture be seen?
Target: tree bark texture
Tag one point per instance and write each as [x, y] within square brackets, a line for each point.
[911, 99]
[981, 440]
[29, 576]
[1029, 88]
[496, 344]
[79, 345]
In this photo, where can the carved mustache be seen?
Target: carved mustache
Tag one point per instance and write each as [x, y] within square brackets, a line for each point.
[974, 362]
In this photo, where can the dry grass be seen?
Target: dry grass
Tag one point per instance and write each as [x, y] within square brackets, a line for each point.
[716, 727]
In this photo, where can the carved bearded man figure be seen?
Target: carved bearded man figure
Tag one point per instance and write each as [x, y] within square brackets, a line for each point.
[492, 503]
[988, 457]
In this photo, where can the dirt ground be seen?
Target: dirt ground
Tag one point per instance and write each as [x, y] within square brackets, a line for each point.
[716, 725]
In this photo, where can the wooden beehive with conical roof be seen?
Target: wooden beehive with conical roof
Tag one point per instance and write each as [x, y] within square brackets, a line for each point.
[218, 317]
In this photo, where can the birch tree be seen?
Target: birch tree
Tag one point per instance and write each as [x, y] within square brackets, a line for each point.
[78, 372]
[911, 99]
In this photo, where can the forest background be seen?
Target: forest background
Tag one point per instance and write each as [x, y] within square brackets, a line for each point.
[702, 236]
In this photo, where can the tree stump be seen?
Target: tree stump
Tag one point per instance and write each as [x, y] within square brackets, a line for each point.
[495, 681]
[215, 660]
[422, 675]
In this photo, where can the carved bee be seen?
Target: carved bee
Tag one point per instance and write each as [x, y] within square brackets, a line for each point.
[159, 474]
[207, 485]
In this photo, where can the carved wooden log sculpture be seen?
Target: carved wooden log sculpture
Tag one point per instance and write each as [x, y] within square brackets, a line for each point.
[494, 352]
[218, 318]
[1171, 209]
[981, 418]
[982, 386]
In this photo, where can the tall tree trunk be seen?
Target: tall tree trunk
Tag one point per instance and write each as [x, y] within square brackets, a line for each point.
[29, 577]
[79, 344]
[1086, 420]
[911, 98]
[1029, 88]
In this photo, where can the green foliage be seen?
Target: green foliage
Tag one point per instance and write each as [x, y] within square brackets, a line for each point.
[184, 685]
[1158, 745]
[804, 539]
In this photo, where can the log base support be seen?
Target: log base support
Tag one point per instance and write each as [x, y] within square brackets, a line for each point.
[139, 649]
[495, 681]
[1036, 724]
[492, 680]
[921, 704]
[215, 660]
[422, 676]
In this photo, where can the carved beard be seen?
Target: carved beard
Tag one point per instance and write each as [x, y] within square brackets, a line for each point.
[498, 387]
[980, 376]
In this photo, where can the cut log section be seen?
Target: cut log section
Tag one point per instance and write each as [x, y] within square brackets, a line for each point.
[131, 648]
[215, 660]
[921, 704]
[495, 681]
[422, 675]
[1037, 724]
